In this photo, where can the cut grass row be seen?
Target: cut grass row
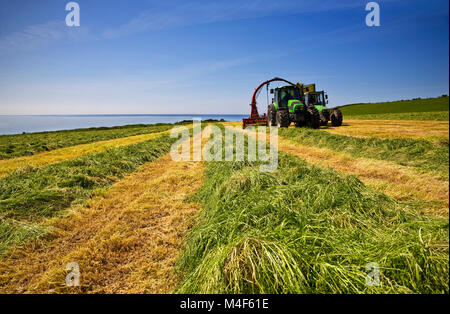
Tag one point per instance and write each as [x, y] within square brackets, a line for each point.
[404, 184]
[304, 229]
[46, 158]
[433, 131]
[125, 240]
[12, 146]
[29, 195]
[417, 153]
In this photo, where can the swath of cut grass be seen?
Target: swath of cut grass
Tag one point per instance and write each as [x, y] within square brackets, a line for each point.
[305, 229]
[12, 146]
[434, 131]
[125, 240]
[14, 233]
[58, 155]
[31, 195]
[417, 153]
[404, 184]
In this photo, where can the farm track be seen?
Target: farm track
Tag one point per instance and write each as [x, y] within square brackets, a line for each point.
[432, 130]
[42, 159]
[125, 241]
[404, 184]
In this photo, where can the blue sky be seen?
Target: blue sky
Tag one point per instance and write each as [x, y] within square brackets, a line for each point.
[207, 56]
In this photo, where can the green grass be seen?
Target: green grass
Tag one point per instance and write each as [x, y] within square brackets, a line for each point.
[417, 153]
[29, 144]
[404, 106]
[428, 116]
[29, 195]
[304, 229]
[15, 233]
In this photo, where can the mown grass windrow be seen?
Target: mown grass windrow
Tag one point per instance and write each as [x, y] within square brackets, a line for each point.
[304, 229]
[29, 196]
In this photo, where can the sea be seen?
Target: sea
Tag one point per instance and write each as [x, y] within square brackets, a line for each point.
[19, 124]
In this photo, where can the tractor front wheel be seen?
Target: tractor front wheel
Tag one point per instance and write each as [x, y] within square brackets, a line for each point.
[271, 116]
[336, 118]
[283, 119]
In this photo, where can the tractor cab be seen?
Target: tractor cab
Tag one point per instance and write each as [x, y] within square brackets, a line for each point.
[316, 99]
[287, 97]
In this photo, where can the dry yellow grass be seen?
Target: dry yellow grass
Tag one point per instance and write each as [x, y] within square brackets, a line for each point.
[125, 241]
[431, 130]
[399, 182]
[42, 159]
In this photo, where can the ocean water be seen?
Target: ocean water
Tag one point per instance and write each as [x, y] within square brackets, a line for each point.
[30, 124]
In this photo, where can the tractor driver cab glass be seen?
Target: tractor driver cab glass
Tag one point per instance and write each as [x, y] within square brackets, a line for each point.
[285, 96]
[320, 100]
[312, 99]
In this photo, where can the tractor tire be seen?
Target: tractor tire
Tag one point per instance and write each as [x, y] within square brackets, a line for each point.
[271, 116]
[336, 118]
[283, 119]
[313, 118]
[323, 120]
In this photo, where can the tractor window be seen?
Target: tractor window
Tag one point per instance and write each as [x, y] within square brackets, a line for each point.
[320, 99]
[316, 99]
[287, 94]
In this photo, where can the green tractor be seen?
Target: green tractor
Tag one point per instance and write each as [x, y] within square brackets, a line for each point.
[319, 99]
[288, 107]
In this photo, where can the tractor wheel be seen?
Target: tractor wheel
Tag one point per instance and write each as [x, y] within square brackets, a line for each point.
[271, 116]
[336, 117]
[313, 119]
[283, 119]
[323, 120]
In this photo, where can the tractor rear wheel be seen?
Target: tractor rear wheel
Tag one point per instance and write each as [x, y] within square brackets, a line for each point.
[313, 119]
[283, 119]
[336, 117]
[271, 116]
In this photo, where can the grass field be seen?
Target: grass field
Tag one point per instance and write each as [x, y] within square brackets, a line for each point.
[29, 194]
[417, 153]
[29, 144]
[307, 230]
[138, 222]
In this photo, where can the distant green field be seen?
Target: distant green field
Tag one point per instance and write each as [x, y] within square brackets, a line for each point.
[417, 109]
